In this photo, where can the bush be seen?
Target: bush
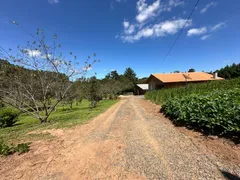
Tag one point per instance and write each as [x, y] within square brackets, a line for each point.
[163, 95]
[8, 117]
[6, 150]
[217, 112]
[22, 148]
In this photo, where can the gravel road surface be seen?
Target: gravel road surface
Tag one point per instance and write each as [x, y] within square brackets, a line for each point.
[125, 142]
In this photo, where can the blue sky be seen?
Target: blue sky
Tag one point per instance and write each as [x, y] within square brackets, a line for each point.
[132, 33]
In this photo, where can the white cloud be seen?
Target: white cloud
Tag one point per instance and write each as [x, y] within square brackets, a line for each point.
[196, 31]
[172, 3]
[120, 1]
[172, 27]
[218, 26]
[205, 37]
[175, 3]
[57, 62]
[146, 11]
[208, 6]
[126, 24]
[158, 30]
[86, 68]
[204, 30]
[32, 53]
[128, 28]
[142, 26]
[53, 1]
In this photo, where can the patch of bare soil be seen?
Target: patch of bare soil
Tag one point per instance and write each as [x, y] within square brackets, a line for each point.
[131, 140]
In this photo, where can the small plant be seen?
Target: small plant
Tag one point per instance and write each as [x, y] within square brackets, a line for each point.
[8, 117]
[22, 148]
[6, 149]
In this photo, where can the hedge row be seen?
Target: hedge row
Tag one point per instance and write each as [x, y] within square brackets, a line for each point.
[217, 112]
[160, 96]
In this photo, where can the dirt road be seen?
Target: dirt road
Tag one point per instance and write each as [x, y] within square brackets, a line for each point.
[129, 141]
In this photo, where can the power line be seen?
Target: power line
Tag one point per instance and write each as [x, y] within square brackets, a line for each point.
[180, 32]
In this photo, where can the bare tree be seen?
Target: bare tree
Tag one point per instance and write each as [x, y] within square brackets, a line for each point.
[37, 74]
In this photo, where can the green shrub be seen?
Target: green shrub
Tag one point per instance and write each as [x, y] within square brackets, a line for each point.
[160, 96]
[217, 112]
[22, 148]
[6, 149]
[8, 117]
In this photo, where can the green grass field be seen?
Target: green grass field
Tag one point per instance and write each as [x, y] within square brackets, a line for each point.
[59, 119]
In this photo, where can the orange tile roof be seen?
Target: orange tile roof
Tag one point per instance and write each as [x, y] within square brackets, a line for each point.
[183, 77]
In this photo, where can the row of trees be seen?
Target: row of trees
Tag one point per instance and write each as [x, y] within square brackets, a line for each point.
[230, 72]
[95, 89]
[38, 92]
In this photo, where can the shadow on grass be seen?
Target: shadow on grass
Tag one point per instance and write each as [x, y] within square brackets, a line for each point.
[78, 109]
[16, 124]
[230, 176]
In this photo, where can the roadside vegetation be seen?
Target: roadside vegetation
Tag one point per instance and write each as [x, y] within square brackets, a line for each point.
[40, 88]
[161, 96]
[213, 107]
[63, 117]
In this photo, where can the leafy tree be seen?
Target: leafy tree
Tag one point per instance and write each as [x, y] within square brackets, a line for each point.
[191, 70]
[72, 95]
[94, 94]
[37, 74]
[112, 75]
[130, 79]
[229, 72]
[130, 75]
[176, 71]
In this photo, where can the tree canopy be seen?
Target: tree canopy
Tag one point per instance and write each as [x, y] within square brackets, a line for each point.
[229, 72]
[191, 70]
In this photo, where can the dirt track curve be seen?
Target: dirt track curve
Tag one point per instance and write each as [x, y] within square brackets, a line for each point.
[125, 142]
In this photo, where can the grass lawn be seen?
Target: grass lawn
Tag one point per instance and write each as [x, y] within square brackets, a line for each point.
[59, 119]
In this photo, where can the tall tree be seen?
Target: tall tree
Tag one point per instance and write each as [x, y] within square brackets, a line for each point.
[130, 75]
[39, 73]
[112, 75]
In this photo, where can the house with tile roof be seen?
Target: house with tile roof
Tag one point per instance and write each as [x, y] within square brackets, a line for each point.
[172, 80]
